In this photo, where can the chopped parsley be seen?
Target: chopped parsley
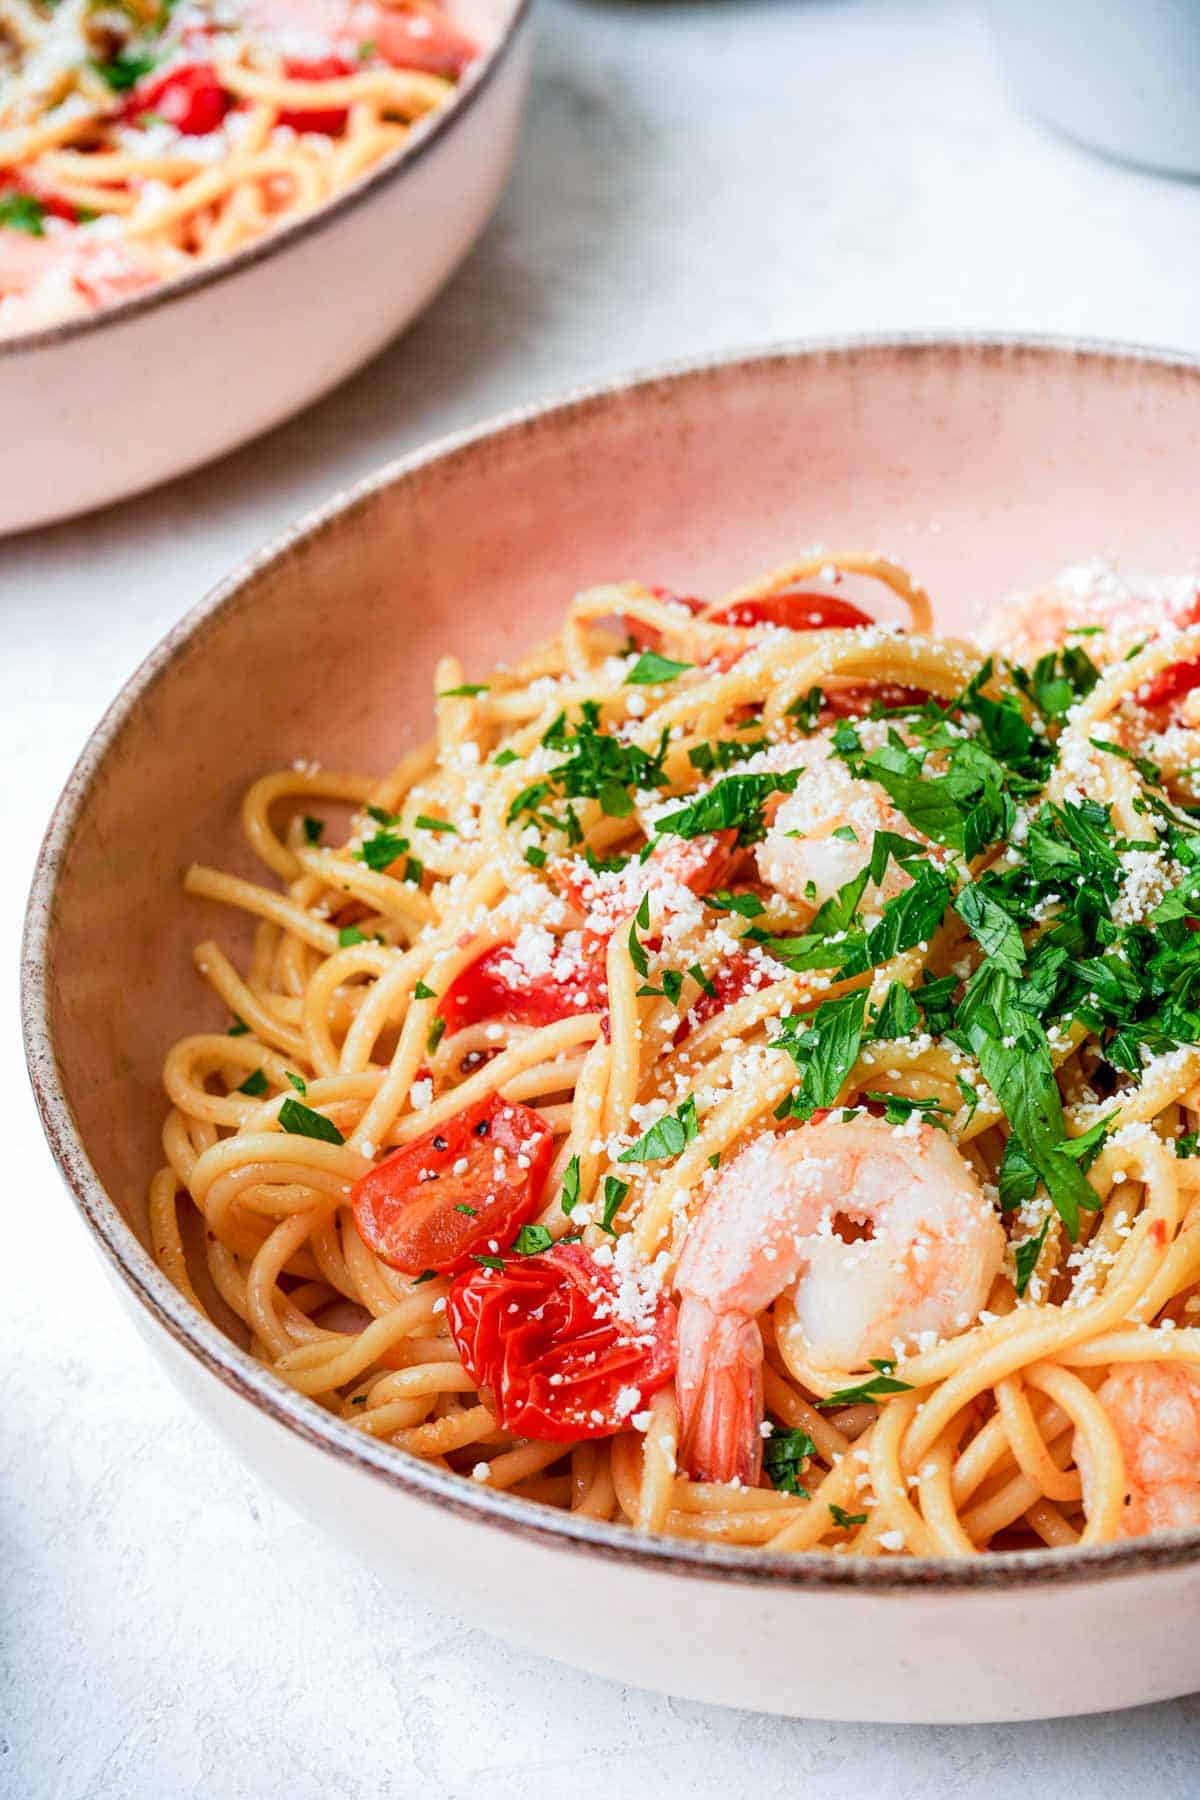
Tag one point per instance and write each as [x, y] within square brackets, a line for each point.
[876, 1387]
[256, 1083]
[302, 1121]
[736, 801]
[297, 1081]
[381, 851]
[467, 691]
[125, 71]
[650, 669]
[239, 1028]
[23, 212]
[424, 823]
[312, 829]
[666, 1137]
[349, 935]
[784, 1456]
[531, 1240]
[1026, 1256]
[421, 992]
[614, 1192]
[844, 1520]
[570, 1186]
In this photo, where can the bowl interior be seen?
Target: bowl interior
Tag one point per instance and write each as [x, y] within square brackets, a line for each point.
[983, 467]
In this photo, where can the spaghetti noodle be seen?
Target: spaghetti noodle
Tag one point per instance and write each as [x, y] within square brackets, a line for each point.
[141, 141]
[741, 1079]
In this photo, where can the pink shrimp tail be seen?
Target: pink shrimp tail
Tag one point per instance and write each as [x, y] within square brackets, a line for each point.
[719, 1385]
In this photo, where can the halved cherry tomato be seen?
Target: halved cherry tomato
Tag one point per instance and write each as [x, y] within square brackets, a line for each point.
[795, 609]
[1170, 685]
[699, 864]
[731, 980]
[189, 98]
[465, 1185]
[329, 119]
[542, 1335]
[494, 987]
[648, 637]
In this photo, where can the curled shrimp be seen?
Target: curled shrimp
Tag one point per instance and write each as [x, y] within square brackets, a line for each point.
[801, 855]
[1155, 1412]
[1093, 607]
[45, 278]
[934, 1248]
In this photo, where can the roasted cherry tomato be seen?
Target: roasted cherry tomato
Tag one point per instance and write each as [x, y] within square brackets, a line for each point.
[699, 864]
[463, 1187]
[648, 637]
[329, 119]
[795, 609]
[496, 987]
[558, 1358]
[1170, 685]
[189, 98]
[731, 980]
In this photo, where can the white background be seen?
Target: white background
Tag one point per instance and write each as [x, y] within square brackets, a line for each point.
[692, 177]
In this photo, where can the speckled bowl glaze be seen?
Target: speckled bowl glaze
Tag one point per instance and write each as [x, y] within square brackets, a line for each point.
[983, 465]
[97, 408]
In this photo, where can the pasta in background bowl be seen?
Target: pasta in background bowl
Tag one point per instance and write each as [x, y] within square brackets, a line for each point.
[171, 178]
[650, 1562]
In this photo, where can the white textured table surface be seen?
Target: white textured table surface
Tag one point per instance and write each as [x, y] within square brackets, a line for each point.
[693, 177]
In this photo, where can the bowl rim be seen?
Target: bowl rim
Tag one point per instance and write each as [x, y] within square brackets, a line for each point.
[267, 1393]
[425, 135]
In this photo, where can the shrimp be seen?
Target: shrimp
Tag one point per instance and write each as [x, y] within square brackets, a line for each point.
[1094, 608]
[801, 856]
[934, 1247]
[43, 279]
[415, 36]
[1155, 1411]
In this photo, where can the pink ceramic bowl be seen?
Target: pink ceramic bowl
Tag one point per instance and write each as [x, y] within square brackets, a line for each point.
[97, 408]
[983, 465]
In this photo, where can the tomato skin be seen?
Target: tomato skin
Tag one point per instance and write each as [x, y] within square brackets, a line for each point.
[648, 637]
[541, 1336]
[189, 98]
[732, 980]
[331, 120]
[414, 1224]
[795, 609]
[1170, 685]
[490, 989]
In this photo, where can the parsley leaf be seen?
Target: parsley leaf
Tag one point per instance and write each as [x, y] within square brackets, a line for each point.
[666, 1137]
[737, 800]
[22, 212]
[381, 851]
[467, 691]
[824, 1047]
[651, 668]
[348, 935]
[302, 1121]
[614, 1192]
[531, 1240]
[255, 1084]
[313, 829]
[784, 1455]
[844, 1520]
[1026, 1256]
[876, 1387]
[570, 1186]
